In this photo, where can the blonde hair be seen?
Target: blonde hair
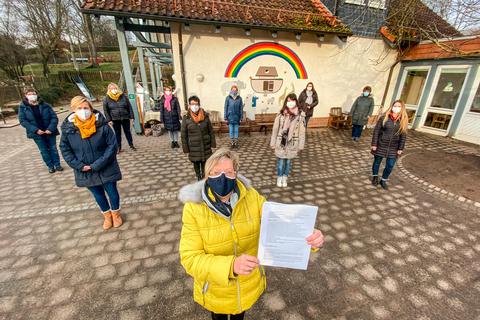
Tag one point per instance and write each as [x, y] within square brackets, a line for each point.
[111, 84]
[77, 101]
[220, 154]
[403, 116]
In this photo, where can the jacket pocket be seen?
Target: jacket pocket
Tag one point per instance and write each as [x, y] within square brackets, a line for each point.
[204, 291]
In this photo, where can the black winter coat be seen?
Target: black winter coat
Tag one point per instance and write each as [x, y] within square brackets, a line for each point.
[197, 139]
[117, 110]
[301, 100]
[28, 121]
[99, 151]
[171, 120]
[387, 138]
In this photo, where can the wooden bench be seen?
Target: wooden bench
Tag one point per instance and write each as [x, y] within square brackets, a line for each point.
[265, 121]
[339, 119]
[220, 126]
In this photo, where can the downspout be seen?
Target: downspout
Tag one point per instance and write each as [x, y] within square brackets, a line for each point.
[335, 8]
[182, 65]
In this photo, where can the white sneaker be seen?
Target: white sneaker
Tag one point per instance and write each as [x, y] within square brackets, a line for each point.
[284, 181]
[279, 181]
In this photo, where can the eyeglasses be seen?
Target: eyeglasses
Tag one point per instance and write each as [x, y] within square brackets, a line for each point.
[229, 174]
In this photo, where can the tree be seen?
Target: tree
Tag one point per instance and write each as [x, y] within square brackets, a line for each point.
[12, 57]
[44, 21]
[462, 14]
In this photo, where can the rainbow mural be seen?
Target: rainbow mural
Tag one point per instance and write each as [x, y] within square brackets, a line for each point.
[262, 49]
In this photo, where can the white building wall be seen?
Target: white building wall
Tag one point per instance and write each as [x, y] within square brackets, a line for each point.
[338, 70]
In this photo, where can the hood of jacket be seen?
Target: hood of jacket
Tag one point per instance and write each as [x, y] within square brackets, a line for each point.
[69, 127]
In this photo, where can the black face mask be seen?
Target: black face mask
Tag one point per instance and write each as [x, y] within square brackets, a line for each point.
[221, 185]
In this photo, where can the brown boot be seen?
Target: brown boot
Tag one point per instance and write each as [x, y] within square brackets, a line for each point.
[107, 222]
[117, 219]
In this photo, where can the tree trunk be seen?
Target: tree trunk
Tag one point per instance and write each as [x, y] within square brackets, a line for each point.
[46, 70]
[90, 39]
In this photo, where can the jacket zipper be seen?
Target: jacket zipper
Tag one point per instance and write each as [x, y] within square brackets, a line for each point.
[239, 303]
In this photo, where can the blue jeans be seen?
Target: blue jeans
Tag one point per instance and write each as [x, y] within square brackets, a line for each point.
[283, 167]
[173, 135]
[390, 163]
[357, 131]
[47, 144]
[233, 128]
[99, 194]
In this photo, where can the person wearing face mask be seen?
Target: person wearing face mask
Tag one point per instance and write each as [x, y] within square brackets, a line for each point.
[308, 99]
[198, 138]
[89, 147]
[40, 122]
[219, 238]
[361, 110]
[288, 137]
[119, 113]
[170, 115]
[388, 141]
[233, 113]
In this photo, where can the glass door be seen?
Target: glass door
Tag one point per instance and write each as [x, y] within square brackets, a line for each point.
[439, 111]
[412, 90]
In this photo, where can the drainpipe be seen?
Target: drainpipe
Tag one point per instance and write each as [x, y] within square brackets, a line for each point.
[182, 65]
[335, 8]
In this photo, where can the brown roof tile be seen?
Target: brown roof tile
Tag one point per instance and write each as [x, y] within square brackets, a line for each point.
[458, 48]
[301, 15]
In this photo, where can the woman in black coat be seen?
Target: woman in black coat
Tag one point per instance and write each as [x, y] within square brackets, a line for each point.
[170, 115]
[89, 146]
[388, 140]
[119, 113]
[40, 122]
[308, 99]
[198, 138]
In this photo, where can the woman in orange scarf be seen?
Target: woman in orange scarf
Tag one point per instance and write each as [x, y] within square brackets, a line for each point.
[198, 138]
[89, 147]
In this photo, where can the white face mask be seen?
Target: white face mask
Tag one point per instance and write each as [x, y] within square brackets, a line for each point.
[396, 109]
[291, 104]
[167, 93]
[309, 88]
[194, 107]
[114, 91]
[83, 114]
[32, 98]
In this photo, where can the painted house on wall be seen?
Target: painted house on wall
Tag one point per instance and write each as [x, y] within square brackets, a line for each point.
[334, 44]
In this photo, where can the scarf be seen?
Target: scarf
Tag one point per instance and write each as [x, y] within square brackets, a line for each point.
[168, 106]
[87, 128]
[216, 205]
[199, 117]
[289, 117]
[114, 97]
[394, 116]
[309, 100]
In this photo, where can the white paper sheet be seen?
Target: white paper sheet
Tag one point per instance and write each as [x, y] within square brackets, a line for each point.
[283, 231]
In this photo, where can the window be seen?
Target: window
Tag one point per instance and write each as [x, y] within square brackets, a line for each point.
[413, 87]
[449, 88]
[475, 107]
[377, 4]
[438, 120]
[268, 86]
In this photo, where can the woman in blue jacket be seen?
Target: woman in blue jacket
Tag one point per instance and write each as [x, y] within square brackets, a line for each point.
[40, 122]
[89, 146]
[233, 113]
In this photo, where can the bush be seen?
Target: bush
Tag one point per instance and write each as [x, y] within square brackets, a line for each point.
[52, 94]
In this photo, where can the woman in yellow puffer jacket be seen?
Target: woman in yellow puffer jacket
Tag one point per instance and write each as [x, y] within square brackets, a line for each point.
[219, 240]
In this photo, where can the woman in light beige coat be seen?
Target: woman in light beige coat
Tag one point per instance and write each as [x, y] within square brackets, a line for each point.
[288, 137]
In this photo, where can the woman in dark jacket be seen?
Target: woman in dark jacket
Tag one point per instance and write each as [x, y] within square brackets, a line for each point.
[40, 122]
[118, 111]
[198, 138]
[362, 109]
[88, 145]
[170, 115]
[388, 140]
[233, 113]
[308, 99]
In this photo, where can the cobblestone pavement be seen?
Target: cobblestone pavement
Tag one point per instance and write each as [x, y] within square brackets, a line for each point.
[412, 253]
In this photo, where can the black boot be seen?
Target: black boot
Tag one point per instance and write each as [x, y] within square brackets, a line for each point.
[236, 144]
[176, 144]
[375, 180]
[133, 147]
[172, 145]
[384, 184]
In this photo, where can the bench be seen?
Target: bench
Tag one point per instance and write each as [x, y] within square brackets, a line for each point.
[265, 121]
[337, 118]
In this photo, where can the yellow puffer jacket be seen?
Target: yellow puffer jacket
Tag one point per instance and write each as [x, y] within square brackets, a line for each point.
[209, 242]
